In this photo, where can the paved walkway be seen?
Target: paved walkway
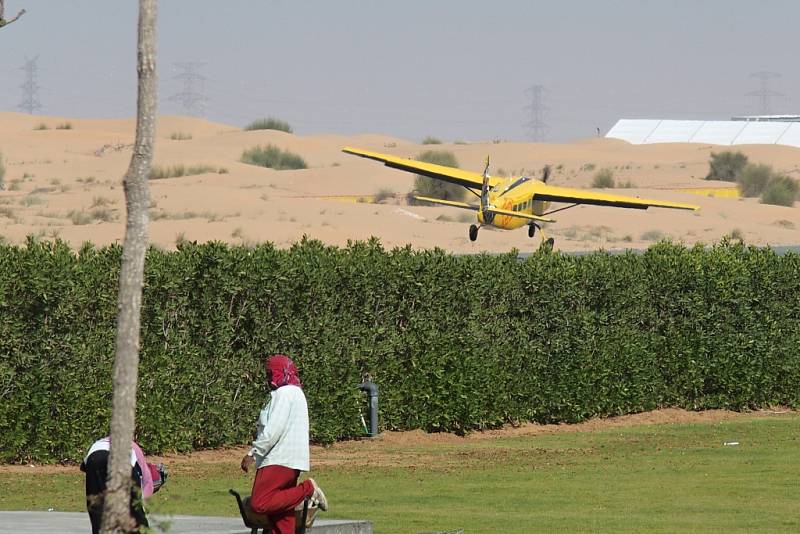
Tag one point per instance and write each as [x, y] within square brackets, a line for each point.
[78, 523]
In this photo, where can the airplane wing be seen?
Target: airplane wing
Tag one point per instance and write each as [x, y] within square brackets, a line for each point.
[451, 203]
[472, 180]
[578, 196]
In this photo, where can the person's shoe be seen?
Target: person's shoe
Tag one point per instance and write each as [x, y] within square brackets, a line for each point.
[318, 496]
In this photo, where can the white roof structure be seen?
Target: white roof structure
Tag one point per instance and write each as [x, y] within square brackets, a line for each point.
[647, 131]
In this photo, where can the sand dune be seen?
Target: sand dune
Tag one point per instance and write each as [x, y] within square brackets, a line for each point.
[66, 183]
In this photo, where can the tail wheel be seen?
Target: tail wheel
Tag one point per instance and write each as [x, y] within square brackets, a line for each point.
[473, 232]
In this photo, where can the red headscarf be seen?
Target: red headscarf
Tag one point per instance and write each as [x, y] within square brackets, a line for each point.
[284, 371]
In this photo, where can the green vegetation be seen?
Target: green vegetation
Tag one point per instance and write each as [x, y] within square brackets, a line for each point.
[273, 157]
[176, 171]
[677, 478]
[428, 187]
[2, 173]
[726, 166]
[780, 191]
[772, 187]
[604, 178]
[588, 167]
[606, 335]
[753, 179]
[430, 140]
[64, 126]
[180, 136]
[269, 124]
[41, 126]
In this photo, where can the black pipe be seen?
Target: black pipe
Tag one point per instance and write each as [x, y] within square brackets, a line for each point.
[370, 389]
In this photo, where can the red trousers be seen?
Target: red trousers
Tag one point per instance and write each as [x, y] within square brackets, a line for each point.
[276, 493]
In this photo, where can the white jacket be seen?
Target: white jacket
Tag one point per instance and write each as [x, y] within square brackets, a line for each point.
[283, 431]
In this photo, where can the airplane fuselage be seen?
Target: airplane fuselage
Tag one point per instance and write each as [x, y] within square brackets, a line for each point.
[515, 194]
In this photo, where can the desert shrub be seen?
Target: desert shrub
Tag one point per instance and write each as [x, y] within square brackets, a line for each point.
[31, 200]
[430, 140]
[273, 157]
[41, 126]
[780, 191]
[653, 235]
[64, 126]
[158, 172]
[429, 187]
[2, 173]
[736, 234]
[180, 136]
[604, 178]
[753, 179]
[383, 193]
[726, 166]
[270, 123]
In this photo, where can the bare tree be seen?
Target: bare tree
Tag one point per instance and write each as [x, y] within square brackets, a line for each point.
[3, 21]
[116, 509]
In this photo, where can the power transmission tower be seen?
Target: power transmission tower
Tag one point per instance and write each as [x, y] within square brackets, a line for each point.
[765, 94]
[192, 98]
[30, 96]
[536, 125]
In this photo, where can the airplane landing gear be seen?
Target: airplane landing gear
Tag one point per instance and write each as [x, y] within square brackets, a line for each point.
[547, 244]
[531, 230]
[473, 232]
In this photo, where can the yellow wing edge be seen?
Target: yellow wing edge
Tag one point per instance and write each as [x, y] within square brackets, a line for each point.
[451, 203]
[469, 179]
[566, 194]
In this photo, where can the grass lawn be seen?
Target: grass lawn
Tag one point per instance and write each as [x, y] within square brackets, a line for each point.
[645, 478]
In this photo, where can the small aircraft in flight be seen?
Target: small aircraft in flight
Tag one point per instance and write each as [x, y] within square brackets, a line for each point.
[510, 203]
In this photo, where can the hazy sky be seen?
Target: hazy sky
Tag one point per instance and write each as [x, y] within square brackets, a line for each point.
[455, 69]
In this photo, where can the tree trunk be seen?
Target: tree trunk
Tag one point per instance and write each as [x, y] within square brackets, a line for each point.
[116, 509]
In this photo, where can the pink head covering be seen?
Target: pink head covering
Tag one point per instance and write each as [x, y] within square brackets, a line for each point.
[147, 476]
[284, 371]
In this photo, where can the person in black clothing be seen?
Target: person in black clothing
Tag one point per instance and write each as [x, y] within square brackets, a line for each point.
[148, 478]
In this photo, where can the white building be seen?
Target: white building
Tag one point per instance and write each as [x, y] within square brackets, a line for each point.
[753, 130]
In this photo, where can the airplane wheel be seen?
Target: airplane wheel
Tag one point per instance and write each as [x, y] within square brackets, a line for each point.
[531, 230]
[548, 244]
[473, 232]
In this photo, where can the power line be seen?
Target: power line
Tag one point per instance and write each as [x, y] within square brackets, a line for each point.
[192, 98]
[30, 89]
[536, 125]
[764, 93]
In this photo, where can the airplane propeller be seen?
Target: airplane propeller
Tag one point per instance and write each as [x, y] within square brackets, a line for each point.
[487, 215]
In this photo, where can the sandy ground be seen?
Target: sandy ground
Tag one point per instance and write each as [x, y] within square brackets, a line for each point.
[66, 183]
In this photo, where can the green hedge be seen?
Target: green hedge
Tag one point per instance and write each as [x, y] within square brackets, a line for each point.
[454, 343]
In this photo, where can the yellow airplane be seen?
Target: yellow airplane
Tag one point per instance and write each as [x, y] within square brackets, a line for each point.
[510, 203]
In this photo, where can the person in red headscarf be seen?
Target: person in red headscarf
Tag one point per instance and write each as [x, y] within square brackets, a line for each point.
[281, 451]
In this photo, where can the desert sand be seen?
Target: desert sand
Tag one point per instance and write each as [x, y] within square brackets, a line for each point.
[67, 184]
